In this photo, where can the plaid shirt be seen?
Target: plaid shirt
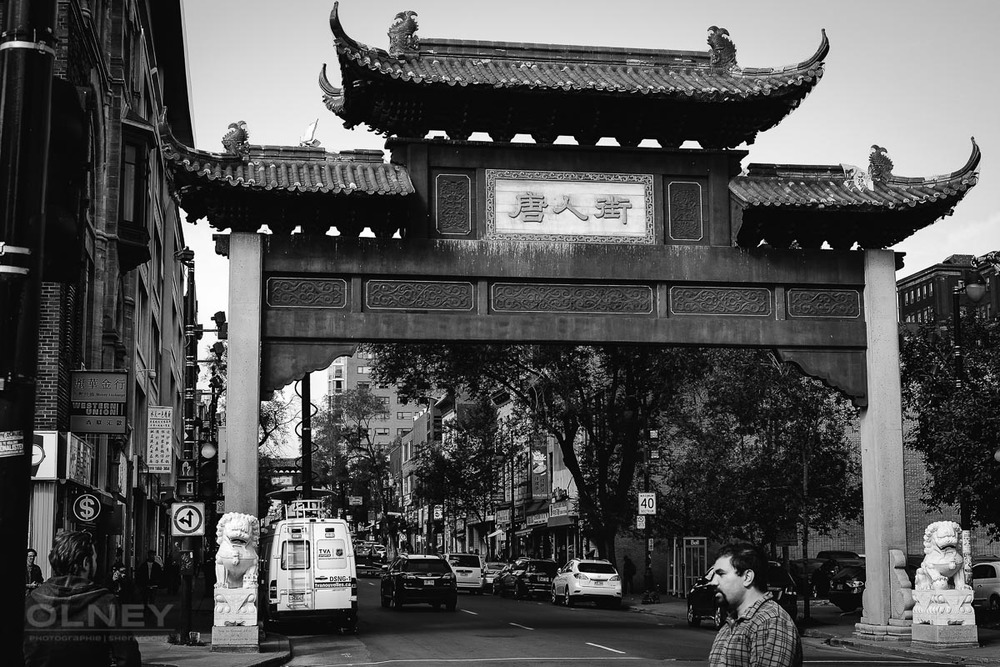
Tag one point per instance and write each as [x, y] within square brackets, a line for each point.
[763, 637]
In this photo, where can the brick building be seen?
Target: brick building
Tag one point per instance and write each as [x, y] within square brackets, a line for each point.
[112, 308]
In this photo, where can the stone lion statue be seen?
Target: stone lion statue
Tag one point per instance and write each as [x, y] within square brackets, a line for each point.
[236, 560]
[943, 567]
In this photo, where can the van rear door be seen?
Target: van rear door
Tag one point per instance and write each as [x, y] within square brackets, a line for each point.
[333, 572]
[296, 572]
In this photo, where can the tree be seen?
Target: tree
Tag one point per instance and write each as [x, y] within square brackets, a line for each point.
[354, 412]
[462, 473]
[762, 451]
[954, 421]
[577, 394]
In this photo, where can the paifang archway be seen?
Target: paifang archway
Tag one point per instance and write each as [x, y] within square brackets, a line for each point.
[504, 242]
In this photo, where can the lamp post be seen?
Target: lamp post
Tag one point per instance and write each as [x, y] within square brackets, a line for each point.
[974, 288]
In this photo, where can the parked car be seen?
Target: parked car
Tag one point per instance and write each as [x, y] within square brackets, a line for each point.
[848, 585]
[526, 578]
[802, 571]
[490, 573]
[468, 572]
[587, 580]
[830, 562]
[986, 585]
[414, 578]
[701, 602]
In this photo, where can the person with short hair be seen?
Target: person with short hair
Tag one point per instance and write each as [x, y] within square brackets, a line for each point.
[32, 574]
[757, 631]
[71, 620]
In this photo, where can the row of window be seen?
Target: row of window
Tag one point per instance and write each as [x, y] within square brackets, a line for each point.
[400, 432]
[922, 315]
[917, 293]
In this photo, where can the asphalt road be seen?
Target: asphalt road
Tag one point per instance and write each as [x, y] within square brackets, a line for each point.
[487, 630]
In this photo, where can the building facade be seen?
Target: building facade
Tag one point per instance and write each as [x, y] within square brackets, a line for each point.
[111, 342]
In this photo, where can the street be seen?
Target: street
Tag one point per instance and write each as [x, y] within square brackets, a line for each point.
[491, 630]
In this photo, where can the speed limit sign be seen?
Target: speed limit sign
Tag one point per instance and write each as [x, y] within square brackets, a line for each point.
[187, 519]
[647, 503]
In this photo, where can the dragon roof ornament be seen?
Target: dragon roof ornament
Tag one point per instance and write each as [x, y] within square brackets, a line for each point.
[403, 40]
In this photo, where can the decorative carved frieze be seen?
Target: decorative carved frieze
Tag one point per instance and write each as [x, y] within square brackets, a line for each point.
[823, 303]
[569, 206]
[684, 211]
[418, 295]
[306, 293]
[545, 298]
[454, 204]
[754, 301]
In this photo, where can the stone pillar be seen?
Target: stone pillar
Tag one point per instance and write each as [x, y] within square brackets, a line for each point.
[243, 384]
[242, 414]
[882, 451]
[234, 628]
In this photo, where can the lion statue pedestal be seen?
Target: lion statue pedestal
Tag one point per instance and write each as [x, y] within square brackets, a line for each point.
[235, 626]
[942, 610]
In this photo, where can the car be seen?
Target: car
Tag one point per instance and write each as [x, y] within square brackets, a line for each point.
[415, 578]
[490, 572]
[701, 602]
[526, 578]
[986, 585]
[587, 580]
[848, 585]
[830, 562]
[468, 572]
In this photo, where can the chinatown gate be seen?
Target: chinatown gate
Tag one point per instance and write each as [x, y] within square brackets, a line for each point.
[500, 242]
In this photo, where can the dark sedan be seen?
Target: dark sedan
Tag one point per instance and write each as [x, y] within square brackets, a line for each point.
[848, 585]
[701, 602]
[419, 578]
[526, 578]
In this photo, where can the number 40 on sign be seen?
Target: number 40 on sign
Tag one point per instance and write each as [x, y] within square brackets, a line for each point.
[647, 503]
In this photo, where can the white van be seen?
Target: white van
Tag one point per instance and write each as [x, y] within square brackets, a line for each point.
[468, 572]
[307, 569]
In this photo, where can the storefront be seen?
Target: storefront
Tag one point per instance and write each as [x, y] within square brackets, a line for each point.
[563, 530]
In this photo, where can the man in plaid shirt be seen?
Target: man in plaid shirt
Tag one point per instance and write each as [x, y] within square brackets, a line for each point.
[757, 631]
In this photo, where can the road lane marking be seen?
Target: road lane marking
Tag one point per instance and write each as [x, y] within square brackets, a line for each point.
[469, 612]
[613, 650]
[440, 661]
[518, 625]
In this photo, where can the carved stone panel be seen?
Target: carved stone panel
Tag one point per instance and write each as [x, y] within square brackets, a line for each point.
[823, 303]
[454, 204]
[753, 301]
[548, 298]
[419, 295]
[684, 211]
[306, 293]
[569, 206]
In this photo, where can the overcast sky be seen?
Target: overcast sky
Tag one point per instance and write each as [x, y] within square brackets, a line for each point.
[918, 77]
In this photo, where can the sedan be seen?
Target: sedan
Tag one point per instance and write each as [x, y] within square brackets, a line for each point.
[490, 573]
[526, 578]
[701, 602]
[582, 580]
[986, 585]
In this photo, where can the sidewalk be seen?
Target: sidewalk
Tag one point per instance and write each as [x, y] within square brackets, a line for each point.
[829, 625]
[157, 651]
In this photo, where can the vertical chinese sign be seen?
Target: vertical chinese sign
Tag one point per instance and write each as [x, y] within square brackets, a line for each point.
[98, 401]
[159, 439]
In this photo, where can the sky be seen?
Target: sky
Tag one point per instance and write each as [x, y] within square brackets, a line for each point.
[915, 76]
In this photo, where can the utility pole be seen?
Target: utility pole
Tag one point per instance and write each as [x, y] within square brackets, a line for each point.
[27, 56]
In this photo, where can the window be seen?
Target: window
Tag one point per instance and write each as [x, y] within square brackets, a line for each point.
[404, 415]
[381, 431]
[383, 399]
[363, 386]
[400, 432]
[364, 370]
[295, 555]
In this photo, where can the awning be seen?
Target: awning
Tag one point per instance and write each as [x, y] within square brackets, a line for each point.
[498, 531]
[564, 520]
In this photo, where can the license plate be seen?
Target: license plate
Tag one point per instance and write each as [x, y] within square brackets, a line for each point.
[598, 583]
[542, 578]
[428, 582]
[296, 597]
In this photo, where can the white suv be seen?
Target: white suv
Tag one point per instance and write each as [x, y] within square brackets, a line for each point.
[986, 585]
[587, 580]
[468, 572]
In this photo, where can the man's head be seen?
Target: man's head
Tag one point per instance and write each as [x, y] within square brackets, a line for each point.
[73, 553]
[32, 554]
[739, 568]
[150, 556]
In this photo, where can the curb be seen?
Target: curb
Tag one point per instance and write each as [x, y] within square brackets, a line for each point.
[887, 648]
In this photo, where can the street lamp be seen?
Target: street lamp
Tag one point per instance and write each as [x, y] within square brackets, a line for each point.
[974, 288]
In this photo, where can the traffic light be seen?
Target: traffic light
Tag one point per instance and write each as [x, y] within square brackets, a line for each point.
[208, 472]
[221, 326]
